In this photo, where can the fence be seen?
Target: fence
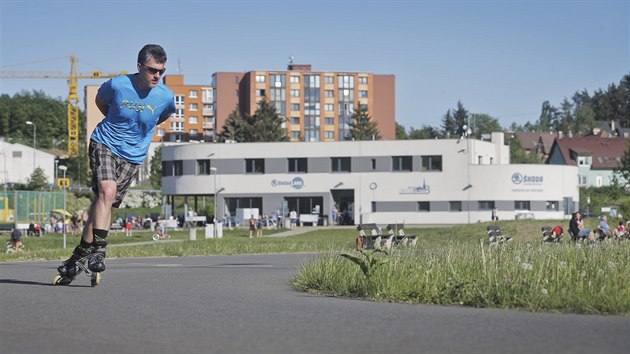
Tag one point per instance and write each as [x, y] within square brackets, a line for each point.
[18, 207]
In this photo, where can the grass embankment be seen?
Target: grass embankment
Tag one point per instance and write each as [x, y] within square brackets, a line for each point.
[452, 265]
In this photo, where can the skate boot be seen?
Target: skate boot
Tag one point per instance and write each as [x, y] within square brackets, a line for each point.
[96, 262]
[69, 267]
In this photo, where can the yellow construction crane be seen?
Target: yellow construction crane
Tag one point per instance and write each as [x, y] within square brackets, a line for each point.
[73, 98]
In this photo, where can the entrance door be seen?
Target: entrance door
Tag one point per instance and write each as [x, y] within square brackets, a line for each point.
[344, 199]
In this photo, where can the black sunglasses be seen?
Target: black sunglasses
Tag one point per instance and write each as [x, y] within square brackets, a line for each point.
[153, 71]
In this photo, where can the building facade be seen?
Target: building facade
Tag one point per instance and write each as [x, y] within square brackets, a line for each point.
[411, 181]
[316, 106]
[597, 158]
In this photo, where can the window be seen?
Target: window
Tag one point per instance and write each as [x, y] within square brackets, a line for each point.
[295, 93]
[599, 181]
[294, 79]
[193, 132]
[346, 81]
[192, 120]
[552, 205]
[521, 205]
[401, 163]
[329, 79]
[260, 78]
[295, 134]
[329, 107]
[16, 154]
[206, 95]
[295, 120]
[329, 135]
[192, 107]
[179, 113]
[203, 167]
[373, 164]
[329, 121]
[179, 100]
[193, 93]
[340, 164]
[373, 207]
[260, 93]
[178, 168]
[254, 166]
[298, 165]
[485, 205]
[363, 80]
[432, 163]
[455, 205]
[583, 160]
[329, 93]
[160, 132]
[424, 206]
[363, 94]
[295, 106]
[177, 126]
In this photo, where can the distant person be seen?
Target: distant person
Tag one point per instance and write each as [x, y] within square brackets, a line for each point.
[16, 239]
[293, 219]
[252, 227]
[495, 215]
[133, 105]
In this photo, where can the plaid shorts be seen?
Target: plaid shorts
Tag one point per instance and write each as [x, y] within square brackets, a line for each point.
[109, 167]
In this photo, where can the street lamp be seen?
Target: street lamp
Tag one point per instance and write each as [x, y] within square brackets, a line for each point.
[64, 169]
[466, 132]
[214, 186]
[28, 122]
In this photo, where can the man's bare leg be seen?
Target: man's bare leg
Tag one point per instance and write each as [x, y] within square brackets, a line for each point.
[100, 215]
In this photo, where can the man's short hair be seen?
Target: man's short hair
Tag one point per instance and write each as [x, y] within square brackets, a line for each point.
[154, 51]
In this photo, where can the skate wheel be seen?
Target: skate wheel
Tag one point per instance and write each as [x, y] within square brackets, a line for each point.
[57, 280]
[96, 279]
[156, 237]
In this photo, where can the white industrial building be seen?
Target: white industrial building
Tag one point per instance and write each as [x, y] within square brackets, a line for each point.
[19, 161]
[446, 181]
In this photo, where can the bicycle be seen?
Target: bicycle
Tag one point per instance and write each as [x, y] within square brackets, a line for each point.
[160, 236]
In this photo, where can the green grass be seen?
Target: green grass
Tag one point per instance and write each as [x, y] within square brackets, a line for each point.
[450, 265]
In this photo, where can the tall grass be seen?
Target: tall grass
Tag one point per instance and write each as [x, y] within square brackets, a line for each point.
[560, 277]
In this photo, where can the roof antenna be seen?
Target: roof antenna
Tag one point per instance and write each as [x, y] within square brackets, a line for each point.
[179, 67]
[290, 59]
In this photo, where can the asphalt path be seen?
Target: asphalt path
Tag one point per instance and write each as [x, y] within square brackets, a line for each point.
[245, 304]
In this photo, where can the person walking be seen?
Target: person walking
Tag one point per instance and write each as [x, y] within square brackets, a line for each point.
[133, 105]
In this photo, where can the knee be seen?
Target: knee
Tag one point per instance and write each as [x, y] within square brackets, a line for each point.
[107, 192]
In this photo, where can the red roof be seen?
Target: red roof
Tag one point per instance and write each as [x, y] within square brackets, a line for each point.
[606, 152]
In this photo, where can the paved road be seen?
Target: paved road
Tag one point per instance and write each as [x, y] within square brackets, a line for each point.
[245, 304]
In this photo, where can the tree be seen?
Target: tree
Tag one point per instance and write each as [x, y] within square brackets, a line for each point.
[401, 133]
[460, 117]
[233, 128]
[362, 127]
[38, 180]
[518, 154]
[266, 124]
[484, 124]
[155, 174]
[449, 127]
[426, 132]
[624, 166]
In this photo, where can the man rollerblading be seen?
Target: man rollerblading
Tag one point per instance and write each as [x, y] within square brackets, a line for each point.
[133, 105]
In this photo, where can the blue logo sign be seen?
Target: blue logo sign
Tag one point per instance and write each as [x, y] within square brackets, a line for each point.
[517, 178]
[297, 183]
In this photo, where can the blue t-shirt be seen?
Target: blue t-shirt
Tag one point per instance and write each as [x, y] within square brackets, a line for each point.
[128, 128]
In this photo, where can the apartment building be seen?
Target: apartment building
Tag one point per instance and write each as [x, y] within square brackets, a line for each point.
[317, 106]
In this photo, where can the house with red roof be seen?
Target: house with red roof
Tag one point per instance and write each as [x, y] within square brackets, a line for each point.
[596, 157]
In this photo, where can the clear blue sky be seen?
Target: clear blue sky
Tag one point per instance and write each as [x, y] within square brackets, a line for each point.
[502, 58]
